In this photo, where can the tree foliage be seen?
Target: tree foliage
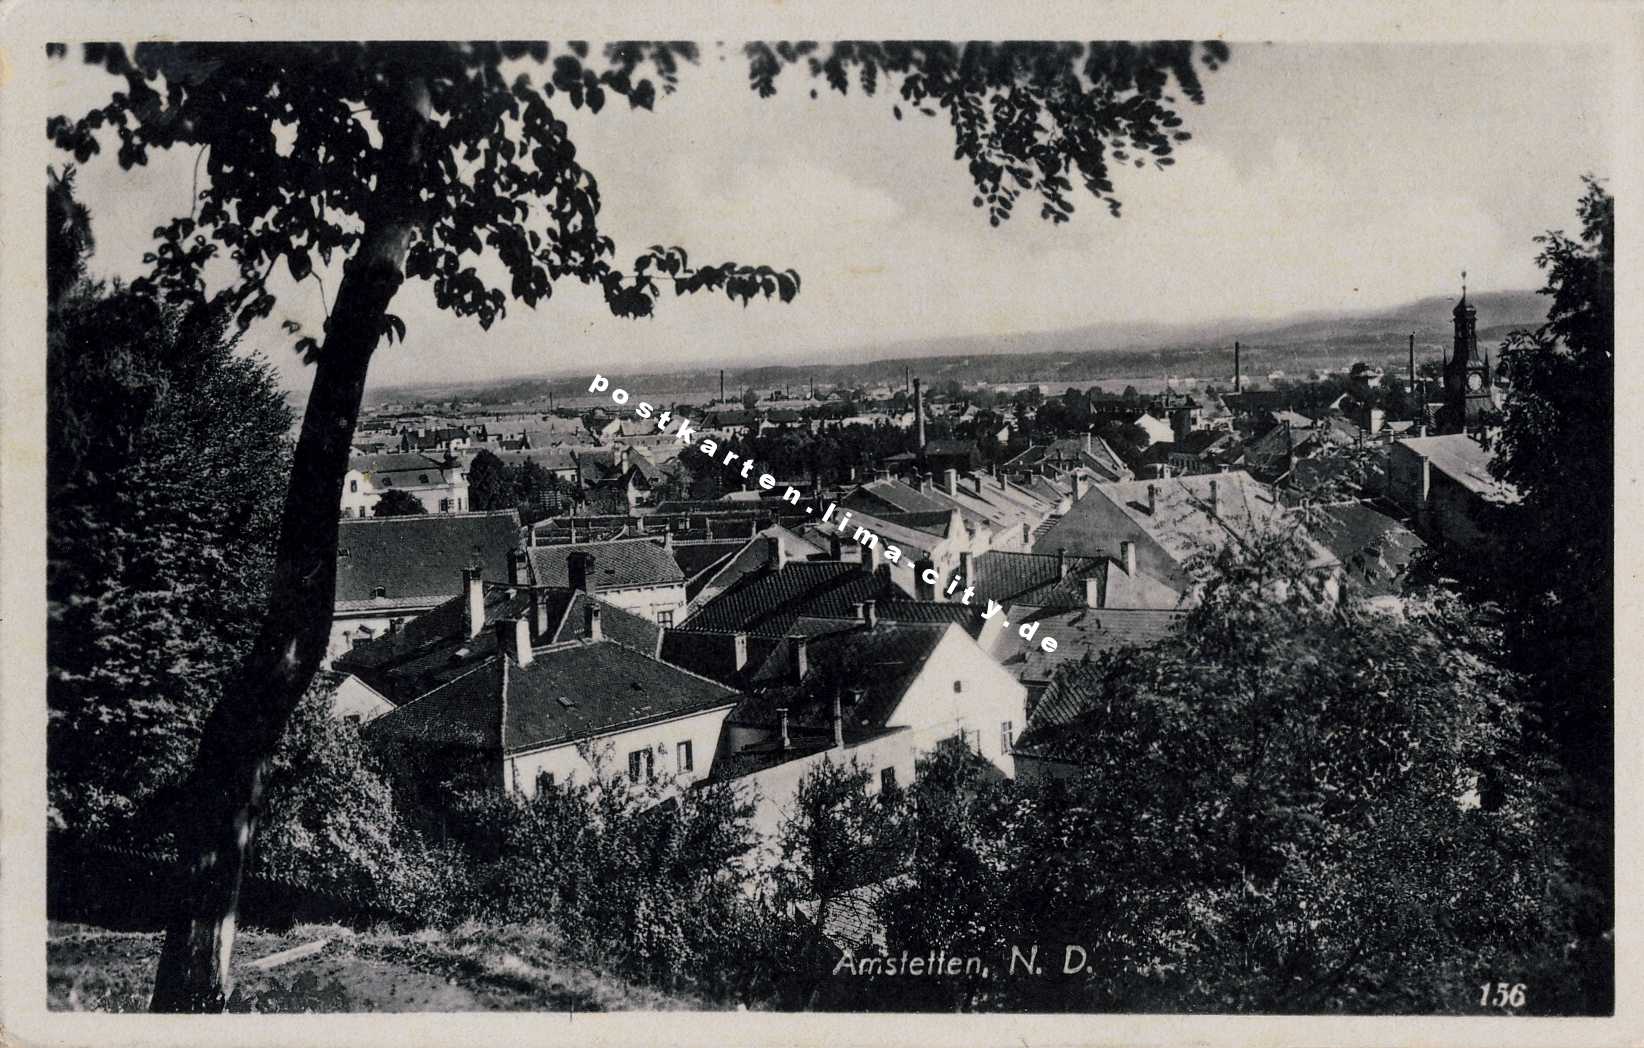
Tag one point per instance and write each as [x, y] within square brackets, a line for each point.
[166, 463]
[1557, 447]
[397, 503]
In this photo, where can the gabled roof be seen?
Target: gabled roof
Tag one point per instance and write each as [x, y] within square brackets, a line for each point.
[1087, 631]
[433, 647]
[1465, 461]
[1181, 522]
[568, 692]
[1034, 579]
[902, 497]
[871, 668]
[617, 565]
[766, 603]
[1374, 547]
[419, 557]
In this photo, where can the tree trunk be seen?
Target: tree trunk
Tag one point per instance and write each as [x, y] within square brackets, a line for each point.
[240, 736]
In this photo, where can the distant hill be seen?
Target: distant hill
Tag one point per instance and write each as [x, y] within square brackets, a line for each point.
[1106, 352]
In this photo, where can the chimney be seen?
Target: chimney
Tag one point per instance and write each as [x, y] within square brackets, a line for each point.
[639, 524]
[1152, 499]
[923, 590]
[782, 718]
[1088, 443]
[579, 566]
[871, 556]
[1061, 562]
[870, 613]
[965, 568]
[976, 484]
[1127, 556]
[539, 614]
[514, 640]
[1238, 382]
[591, 617]
[925, 485]
[801, 658]
[950, 482]
[473, 609]
[836, 547]
[739, 651]
[1215, 502]
[776, 553]
[1093, 592]
[1377, 418]
[1081, 485]
[918, 415]
[839, 720]
[519, 568]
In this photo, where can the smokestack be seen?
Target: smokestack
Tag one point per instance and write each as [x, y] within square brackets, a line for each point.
[965, 562]
[1412, 363]
[1061, 562]
[514, 640]
[739, 651]
[579, 566]
[838, 723]
[776, 554]
[1081, 486]
[801, 658]
[870, 613]
[1152, 499]
[1127, 556]
[1237, 380]
[919, 414]
[591, 616]
[782, 718]
[722, 385]
[950, 482]
[1215, 503]
[473, 608]
[519, 568]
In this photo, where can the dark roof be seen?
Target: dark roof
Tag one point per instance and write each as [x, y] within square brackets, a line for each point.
[767, 602]
[869, 667]
[1006, 577]
[1373, 546]
[568, 691]
[1082, 631]
[433, 648]
[897, 495]
[619, 564]
[419, 557]
[696, 557]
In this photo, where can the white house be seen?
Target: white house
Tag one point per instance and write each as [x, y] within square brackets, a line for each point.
[439, 484]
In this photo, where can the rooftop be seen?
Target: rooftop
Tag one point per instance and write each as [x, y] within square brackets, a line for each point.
[418, 557]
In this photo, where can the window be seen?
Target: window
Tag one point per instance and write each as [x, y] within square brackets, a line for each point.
[545, 782]
[379, 591]
[388, 482]
[445, 505]
[1007, 736]
[665, 618]
[362, 512]
[887, 781]
[354, 486]
[422, 478]
[687, 759]
[971, 738]
[958, 686]
[641, 765]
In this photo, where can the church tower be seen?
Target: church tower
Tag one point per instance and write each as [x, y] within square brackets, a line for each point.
[1468, 394]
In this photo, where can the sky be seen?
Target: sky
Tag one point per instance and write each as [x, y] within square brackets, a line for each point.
[1320, 177]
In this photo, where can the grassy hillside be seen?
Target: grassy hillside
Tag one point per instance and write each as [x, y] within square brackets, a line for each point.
[471, 968]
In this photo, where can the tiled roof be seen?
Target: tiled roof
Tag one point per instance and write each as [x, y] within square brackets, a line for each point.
[433, 648]
[420, 556]
[1006, 577]
[1181, 522]
[766, 603]
[1372, 546]
[620, 564]
[695, 557]
[568, 691]
[395, 462]
[904, 498]
[1465, 461]
[1083, 631]
[871, 668]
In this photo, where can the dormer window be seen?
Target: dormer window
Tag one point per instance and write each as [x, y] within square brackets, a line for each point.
[379, 591]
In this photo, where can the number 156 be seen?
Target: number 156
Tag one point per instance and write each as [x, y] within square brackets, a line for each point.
[1501, 995]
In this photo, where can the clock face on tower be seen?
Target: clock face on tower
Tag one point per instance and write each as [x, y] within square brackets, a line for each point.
[1475, 382]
